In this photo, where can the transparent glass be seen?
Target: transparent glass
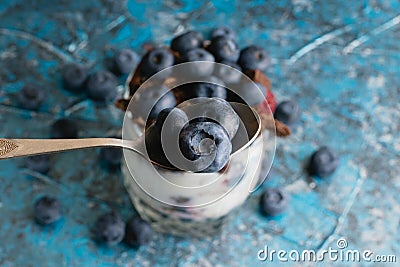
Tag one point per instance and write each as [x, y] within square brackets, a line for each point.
[193, 212]
[194, 204]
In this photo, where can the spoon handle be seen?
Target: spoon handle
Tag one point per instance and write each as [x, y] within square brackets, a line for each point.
[12, 148]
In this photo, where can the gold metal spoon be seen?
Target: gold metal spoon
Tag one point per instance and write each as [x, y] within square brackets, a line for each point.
[13, 148]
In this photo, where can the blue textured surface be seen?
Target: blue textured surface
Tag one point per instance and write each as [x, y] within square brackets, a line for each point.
[338, 59]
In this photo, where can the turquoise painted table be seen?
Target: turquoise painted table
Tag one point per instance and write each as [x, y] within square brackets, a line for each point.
[338, 59]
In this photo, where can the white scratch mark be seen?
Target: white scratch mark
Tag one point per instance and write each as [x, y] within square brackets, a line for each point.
[364, 38]
[341, 220]
[298, 186]
[375, 82]
[9, 53]
[115, 23]
[45, 178]
[81, 46]
[43, 44]
[317, 42]
[75, 107]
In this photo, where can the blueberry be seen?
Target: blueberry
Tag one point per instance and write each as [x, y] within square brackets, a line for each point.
[223, 31]
[154, 61]
[224, 49]
[287, 112]
[323, 162]
[126, 60]
[273, 201]
[138, 232]
[110, 228]
[183, 92]
[31, 96]
[102, 85]
[74, 76]
[155, 97]
[251, 93]
[199, 69]
[38, 163]
[64, 128]
[47, 210]
[198, 54]
[112, 155]
[175, 117]
[164, 137]
[229, 72]
[206, 144]
[254, 58]
[187, 41]
[213, 88]
[154, 147]
[213, 109]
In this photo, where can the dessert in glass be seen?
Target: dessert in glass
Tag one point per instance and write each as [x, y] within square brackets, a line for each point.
[207, 128]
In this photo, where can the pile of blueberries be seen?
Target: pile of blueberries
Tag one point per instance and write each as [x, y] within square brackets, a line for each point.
[222, 48]
[204, 129]
[215, 119]
[101, 87]
[191, 46]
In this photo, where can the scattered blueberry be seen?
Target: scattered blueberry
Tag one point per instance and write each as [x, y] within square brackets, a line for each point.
[126, 60]
[273, 201]
[223, 31]
[47, 210]
[323, 162]
[224, 49]
[138, 232]
[102, 85]
[31, 96]
[254, 57]
[64, 128]
[213, 109]
[206, 145]
[229, 72]
[154, 61]
[155, 98]
[199, 69]
[74, 76]
[287, 112]
[110, 228]
[112, 155]
[38, 163]
[187, 41]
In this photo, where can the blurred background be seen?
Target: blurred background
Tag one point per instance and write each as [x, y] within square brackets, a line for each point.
[338, 59]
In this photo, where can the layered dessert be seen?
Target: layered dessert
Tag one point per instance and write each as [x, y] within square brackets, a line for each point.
[203, 110]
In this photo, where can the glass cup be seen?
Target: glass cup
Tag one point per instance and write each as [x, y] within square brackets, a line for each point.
[196, 204]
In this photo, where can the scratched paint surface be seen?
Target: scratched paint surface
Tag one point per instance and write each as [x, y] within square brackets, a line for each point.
[338, 59]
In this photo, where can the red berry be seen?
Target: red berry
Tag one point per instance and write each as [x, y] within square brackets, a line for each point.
[271, 101]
